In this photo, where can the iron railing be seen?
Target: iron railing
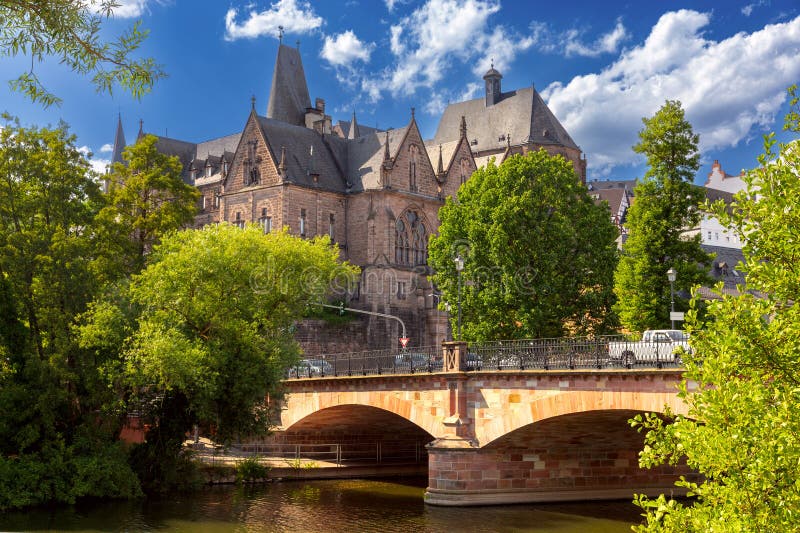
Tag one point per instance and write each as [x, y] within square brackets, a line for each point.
[311, 455]
[370, 363]
[564, 353]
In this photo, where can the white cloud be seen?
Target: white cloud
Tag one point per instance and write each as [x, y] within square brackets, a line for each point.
[106, 149]
[439, 99]
[130, 8]
[296, 16]
[569, 42]
[436, 37]
[127, 8]
[345, 49]
[748, 9]
[98, 165]
[391, 3]
[730, 89]
[607, 43]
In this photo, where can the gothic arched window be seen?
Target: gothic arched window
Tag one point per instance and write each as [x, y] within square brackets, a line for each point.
[412, 166]
[464, 170]
[411, 240]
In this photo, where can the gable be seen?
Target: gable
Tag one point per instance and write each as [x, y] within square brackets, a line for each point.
[253, 162]
[412, 169]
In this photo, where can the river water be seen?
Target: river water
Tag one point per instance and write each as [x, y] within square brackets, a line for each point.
[351, 506]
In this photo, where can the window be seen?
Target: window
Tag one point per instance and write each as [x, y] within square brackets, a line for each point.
[464, 169]
[193, 174]
[208, 171]
[239, 223]
[302, 222]
[254, 176]
[265, 221]
[224, 168]
[331, 229]
[412, 167]
[204, 203]
[411, 240]
[709, 235]
[401, 290]
[216, 199]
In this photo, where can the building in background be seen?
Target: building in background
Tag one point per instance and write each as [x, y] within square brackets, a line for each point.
[376, 194]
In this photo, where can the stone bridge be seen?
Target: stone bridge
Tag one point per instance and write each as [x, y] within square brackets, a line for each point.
[499, 436]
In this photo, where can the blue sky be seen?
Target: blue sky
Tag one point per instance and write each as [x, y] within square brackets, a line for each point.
[601, 66]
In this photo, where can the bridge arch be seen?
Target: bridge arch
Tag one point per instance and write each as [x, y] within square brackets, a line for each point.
[421, 408]
[353, 421]
[532, 406]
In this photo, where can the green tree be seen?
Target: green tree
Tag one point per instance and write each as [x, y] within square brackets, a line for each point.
[539, 254]
[212, 336]
[53, 443]
[147, 198]
[665, 206]
[742, 382]
[69, 31]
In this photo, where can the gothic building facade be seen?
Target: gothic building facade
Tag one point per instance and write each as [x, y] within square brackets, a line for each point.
[375, 193]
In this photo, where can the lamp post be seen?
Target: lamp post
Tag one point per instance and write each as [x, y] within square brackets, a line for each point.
[459, 267]
[672, 275]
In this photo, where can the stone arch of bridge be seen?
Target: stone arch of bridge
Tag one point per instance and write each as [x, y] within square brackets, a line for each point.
[354, 422]
[531, 407]
[386, 411]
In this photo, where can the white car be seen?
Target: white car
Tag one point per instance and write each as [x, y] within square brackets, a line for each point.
[657, 345]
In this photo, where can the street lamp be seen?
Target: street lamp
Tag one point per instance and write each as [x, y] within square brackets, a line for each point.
[672, 275]
[459, 267]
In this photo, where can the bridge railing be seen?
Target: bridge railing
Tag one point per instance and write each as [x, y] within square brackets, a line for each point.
[371, 363]
[311, 455]
[563, 353]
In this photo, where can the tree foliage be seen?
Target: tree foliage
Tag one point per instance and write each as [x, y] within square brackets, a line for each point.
[53, 447]
[742, 383]
[211, 336]
[147, 198]
[539, 254]
[69, 31]
[665, 206]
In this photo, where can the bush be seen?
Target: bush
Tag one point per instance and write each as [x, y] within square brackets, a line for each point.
[251, 470]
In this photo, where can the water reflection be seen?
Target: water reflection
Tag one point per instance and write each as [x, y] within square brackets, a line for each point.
[337, 505]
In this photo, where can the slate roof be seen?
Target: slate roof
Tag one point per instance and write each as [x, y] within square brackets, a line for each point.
[344, 127]
[365, 156]
[521, 113]
[448, 149]
[612, 196]
[612, 184]
[288, 97]
[329, 158]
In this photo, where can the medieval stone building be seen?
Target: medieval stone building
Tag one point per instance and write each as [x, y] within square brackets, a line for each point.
[375, 193]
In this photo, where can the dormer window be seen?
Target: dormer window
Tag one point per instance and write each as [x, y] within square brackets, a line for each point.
[208, 171]
[224, 168]
[193, 174]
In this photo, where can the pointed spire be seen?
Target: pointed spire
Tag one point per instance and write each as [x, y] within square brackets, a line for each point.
[353, 133]
[440, 166]
[412, 113]
[252, 102]
[280, 35]
[141, 129]
[508, 141]
[288, 97]
[387, 157]
[119, 142]
[282, 164]
[463, 127]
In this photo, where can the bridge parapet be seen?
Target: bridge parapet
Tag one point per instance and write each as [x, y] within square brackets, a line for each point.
[565, 353]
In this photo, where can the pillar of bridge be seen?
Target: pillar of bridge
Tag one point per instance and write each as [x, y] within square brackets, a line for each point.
[566, 458]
